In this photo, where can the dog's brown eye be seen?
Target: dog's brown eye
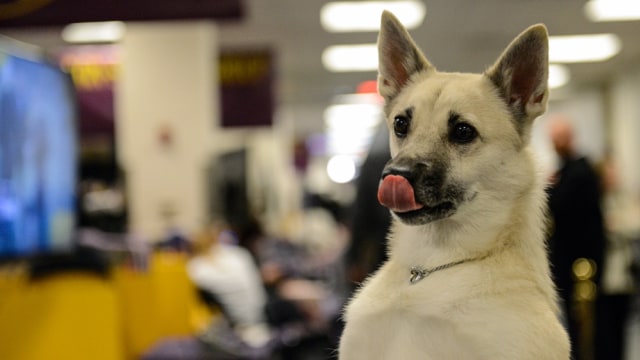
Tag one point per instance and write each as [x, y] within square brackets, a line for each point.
[463, 133]
[401, 126]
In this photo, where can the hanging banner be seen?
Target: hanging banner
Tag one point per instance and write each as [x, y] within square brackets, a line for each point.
[246, 79]
[14, 13]
[93, 71]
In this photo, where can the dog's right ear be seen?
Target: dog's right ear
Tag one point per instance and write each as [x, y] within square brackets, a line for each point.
[398, 57]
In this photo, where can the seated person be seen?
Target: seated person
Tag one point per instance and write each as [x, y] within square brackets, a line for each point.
[228, 273]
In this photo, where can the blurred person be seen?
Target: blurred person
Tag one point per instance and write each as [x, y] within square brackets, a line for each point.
[227, 279]
[578, 228]
[622, 223]
[266, 311]
[370, 220]
[228, 274]
[305, 280]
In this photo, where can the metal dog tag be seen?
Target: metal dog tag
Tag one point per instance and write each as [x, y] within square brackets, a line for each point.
[418, 274]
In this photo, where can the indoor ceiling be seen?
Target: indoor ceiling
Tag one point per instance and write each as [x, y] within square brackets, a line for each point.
[457, 35]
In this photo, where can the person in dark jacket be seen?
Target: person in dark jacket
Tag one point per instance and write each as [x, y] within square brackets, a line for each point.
[577, 222]
[370, 221]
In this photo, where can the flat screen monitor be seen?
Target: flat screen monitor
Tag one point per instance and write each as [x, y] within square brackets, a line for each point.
[38, 158]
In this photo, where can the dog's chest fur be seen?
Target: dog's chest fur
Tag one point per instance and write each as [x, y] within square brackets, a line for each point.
[461, 312]
[392, 318]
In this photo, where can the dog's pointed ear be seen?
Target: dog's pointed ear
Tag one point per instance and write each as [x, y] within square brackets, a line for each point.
[398, 57]
[521, 73]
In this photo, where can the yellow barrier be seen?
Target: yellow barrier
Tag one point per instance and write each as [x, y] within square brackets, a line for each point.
[159, 303]
[64, 316]
[78, 315]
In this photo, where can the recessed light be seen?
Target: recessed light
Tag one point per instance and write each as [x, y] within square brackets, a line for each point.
[344, 58]
[612, 10]
[350, 124]
[341, 169]
[94, 32]
[559, 75]
[583, 48]
[352, 16]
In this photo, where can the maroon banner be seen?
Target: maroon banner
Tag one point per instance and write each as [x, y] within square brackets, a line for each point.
[93, 71]
[246, 79]
[15, 13]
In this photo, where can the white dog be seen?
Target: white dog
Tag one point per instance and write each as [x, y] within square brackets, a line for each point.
[467, 275]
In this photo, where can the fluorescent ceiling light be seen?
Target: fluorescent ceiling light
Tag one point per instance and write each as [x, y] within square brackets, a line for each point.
[350, 124]
[559, 75]
[93, 32]
[341, 169]
[341, 58]
[612, 10]
[349, 16]
[352, 117]
[583, 48]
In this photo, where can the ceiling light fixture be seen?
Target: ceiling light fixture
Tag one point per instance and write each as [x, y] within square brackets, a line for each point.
[353, 117]
[351, 16]
[583, 48]
[344, 58]
[350, 124]
[341, 169]
[559, 75]
[94, 32]
[612, 10]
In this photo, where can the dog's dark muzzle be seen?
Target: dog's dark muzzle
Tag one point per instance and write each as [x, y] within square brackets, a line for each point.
[427, 177]
[416, 191]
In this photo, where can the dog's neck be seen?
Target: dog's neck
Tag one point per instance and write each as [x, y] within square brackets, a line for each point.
[438, 243]
[474, 236]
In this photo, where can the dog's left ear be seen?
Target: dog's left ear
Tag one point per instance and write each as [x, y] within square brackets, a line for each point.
[521, 74]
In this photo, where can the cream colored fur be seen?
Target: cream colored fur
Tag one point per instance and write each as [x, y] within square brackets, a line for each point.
[503, 305]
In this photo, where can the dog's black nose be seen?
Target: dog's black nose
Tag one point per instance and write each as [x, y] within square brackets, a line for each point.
[404, 171]
[427, 173]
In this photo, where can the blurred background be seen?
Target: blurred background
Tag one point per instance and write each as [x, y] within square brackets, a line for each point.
[168, 168]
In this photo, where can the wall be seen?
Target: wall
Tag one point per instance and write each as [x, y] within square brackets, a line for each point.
[585, 109]
[624, 100]
[606, 119]
[167, 110]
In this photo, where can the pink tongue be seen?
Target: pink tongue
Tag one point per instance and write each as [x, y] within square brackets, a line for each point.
[396, 193]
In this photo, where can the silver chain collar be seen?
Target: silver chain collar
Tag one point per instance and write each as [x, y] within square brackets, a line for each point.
[418, 273]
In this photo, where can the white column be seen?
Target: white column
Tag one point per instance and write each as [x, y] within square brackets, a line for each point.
[166, 111]
[625, 129]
